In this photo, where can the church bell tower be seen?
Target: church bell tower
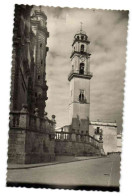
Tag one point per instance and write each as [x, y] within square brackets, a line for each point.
[79, 79]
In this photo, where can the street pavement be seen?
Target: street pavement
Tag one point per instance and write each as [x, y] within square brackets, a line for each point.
[93, 172]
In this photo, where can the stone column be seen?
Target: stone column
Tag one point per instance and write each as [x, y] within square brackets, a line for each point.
[73, 136]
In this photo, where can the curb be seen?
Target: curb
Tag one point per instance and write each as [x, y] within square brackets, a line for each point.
[56, 163]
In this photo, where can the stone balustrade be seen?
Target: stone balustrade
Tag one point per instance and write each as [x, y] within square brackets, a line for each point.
[78, 137]
[23, 120]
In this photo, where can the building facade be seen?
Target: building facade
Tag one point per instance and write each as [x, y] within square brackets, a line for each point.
[107, 131]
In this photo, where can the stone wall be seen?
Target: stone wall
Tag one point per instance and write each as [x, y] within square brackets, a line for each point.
[26, 147]
[16, 150]
[75, 148]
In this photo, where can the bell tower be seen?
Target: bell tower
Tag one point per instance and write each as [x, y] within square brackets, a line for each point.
[79, 79]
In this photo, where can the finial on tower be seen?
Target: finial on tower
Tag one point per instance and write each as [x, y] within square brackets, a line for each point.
[40, 8]
[81, 26]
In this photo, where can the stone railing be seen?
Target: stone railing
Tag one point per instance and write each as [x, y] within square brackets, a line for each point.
[23, 120]
[78, 137]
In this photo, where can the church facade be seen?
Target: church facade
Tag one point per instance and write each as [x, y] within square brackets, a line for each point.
[31, 134]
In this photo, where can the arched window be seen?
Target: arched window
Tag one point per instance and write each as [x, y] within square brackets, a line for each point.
[98, 130]
[82, 48]
[81, 71]
[82, 37]
[81, 96]
[77, 37]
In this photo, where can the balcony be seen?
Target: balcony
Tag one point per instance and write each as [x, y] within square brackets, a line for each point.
[75, 73]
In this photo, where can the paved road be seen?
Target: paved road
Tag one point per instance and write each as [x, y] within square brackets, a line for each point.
[94, 172]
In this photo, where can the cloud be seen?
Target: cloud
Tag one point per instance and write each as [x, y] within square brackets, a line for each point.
[107, 31]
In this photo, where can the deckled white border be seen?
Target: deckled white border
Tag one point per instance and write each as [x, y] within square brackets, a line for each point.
[6, 18]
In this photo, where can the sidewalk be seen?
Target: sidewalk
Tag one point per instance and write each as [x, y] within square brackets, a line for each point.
[59, 160]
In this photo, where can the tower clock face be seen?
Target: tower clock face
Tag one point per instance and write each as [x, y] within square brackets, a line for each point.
[82, 58]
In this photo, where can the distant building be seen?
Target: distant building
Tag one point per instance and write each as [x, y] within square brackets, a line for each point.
[108, 132]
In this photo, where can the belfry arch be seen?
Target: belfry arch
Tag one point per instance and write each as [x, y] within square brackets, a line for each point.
[82, 47]
[81, 68]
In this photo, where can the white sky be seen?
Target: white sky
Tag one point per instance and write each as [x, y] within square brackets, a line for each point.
[107, 31]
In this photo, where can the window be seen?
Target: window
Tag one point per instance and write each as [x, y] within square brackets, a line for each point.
[40, 45]
[81, 96]
[41, 62]
[35, 94]
[38, 77]
[98, 130]
[82, 37]
[82, 48]
[77, 37]
[81, 71]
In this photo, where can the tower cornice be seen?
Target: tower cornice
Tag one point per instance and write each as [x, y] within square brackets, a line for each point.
[74, 74]
[80, 53]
